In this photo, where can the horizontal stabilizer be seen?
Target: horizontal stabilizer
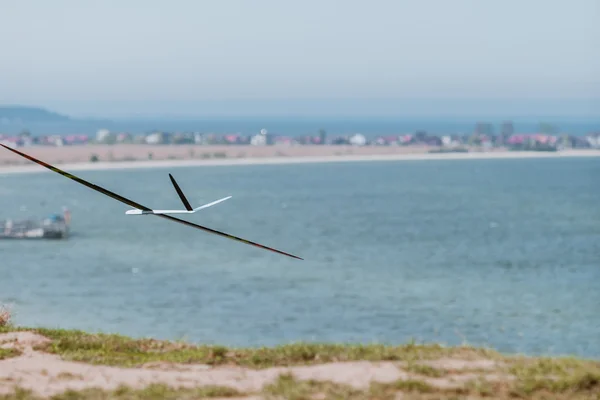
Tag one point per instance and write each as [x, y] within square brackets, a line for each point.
[212, 204]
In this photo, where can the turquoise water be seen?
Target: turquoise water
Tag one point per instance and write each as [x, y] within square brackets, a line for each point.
[504, 253]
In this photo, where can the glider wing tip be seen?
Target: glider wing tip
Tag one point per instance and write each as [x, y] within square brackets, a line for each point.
[296, 257]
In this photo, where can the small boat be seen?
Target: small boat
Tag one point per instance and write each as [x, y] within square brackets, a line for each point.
[54, 227]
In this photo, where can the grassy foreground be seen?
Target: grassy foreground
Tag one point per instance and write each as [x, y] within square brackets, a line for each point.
[122, 351]
[517, 377]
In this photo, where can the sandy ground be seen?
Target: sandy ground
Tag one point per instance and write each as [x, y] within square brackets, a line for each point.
[76, 158]
[48, 375]
[120, 152]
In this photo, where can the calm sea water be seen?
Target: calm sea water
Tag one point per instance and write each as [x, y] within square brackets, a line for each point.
[504, 253]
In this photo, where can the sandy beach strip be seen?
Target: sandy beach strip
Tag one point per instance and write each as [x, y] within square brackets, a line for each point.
[187, 156]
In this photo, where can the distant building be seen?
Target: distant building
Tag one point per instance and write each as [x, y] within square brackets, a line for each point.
[484, 128]
[507, 129]
[594, 141]
[285, 140]
[420, 136]
[358, 140]
[198, 138]
[58, 140]
[405, 139]
[155, 138]
[260, 139]
[71, 140]
[139, 139]
[322, 136]
[124, 137]
[102, 135]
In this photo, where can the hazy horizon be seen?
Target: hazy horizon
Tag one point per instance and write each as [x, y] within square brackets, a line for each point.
[445, 109]
[388, 57]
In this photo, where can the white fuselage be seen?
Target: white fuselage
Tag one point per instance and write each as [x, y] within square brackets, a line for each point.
[147, 212]
[144, 212]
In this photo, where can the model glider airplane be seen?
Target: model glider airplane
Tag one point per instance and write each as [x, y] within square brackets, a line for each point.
[186, 203]
[139, 209]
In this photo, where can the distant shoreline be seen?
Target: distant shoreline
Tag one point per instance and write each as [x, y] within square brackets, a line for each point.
[279, 160]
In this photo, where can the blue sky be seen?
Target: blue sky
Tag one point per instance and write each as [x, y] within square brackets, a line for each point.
[121, 57]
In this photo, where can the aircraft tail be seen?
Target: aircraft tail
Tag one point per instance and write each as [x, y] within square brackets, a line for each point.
[184, 200]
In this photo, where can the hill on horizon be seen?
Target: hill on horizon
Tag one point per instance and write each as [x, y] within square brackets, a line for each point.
[16, 113]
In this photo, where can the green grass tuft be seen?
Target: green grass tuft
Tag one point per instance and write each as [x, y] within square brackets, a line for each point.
[151, 392]
[7, 353]
[560, 375]
[426, 370]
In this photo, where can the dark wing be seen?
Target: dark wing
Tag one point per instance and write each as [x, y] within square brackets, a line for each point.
[141, 207]
[76, 179]
[204, 228]
[185, 201]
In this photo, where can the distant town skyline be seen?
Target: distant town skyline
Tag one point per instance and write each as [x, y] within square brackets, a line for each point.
[267, 57]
